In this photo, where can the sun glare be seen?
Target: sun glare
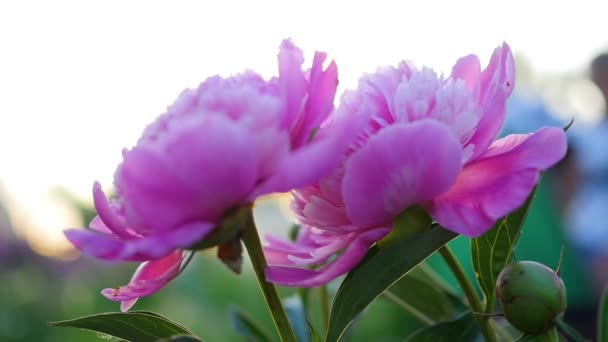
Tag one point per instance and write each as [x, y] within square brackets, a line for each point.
[41, 220]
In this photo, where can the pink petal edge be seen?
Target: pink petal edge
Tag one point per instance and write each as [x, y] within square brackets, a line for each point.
[499, 182]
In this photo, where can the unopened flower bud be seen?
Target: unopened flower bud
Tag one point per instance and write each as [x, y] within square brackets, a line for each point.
[532, 296]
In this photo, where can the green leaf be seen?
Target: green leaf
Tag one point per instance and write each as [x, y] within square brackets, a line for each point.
[602, 317]
[428, 274]
[462, 329]
[314, 337]
[492, 251]
[426, 300]
[248, 327]
[180, 338]
[140, 326]
[385, 263]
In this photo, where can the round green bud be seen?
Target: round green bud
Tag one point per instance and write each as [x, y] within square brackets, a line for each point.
[531, 296]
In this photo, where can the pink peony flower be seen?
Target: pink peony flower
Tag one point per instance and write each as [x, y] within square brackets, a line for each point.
[149, 277]
[430, 141]
[218, 147]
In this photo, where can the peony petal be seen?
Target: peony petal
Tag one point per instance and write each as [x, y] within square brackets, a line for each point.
[497, 83]
[278, 250]
[313, 161]
[379, 90]
[99, 245]
[322, 253]
[127, 304]
[217, 157]
[306, 242]
[300, 277]
[402, 165]
[499, 182]
[292, 81]
[155, 198]
[106, 214]
[98, 225]
[325, 213]
[149, 277]
[302, 253]
[295, 170]
[279, 243]
[108, 247]
[468, 69]
[272, 146]
[321, 92]
[181, 237]
[206, 167]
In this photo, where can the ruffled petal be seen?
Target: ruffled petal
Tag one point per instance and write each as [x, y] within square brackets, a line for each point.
[324, 252]
[498, 182]
[108, 247]
[301, 277]
[292, 81]
[304, 252]
[149, 277]
[402, 165]
[278, 250]
[315, 160]
[325, 213]
[497, 83]
[378, 89]
[320, 103]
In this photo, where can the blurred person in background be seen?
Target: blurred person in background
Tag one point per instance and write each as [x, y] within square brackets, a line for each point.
[587, 223]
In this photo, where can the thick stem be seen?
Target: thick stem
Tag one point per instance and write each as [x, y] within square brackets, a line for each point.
[324, 297]
[469, 291]
[271, 295]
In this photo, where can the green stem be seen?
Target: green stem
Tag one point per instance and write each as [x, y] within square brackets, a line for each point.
[469, 291]
[271, 295]
[409, 309]
[324, 297]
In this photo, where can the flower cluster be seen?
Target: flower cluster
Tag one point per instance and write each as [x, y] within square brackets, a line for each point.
[218, 147]
[405, 136]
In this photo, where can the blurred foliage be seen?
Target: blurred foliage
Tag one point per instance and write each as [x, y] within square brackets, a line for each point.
[39, 290]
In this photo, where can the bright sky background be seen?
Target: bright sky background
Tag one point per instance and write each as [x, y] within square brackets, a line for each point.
[80, 79]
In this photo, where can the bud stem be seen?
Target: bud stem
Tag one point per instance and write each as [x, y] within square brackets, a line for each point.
[469, 291]
[273, 301]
